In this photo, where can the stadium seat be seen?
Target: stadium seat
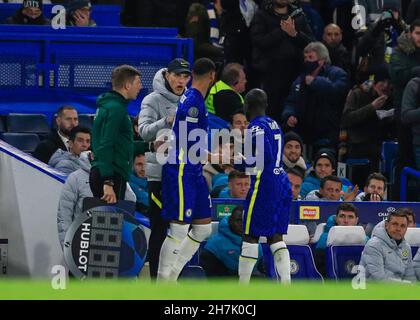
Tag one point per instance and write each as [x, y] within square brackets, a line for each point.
[302, 264]
[388, 156]
[413, 238]
[195, 272]
[344, 248]
[27, 142]
[86, 120]
[27, 123]
[318, 232]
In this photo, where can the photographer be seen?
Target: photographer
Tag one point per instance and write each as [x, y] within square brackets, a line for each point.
[375, 47]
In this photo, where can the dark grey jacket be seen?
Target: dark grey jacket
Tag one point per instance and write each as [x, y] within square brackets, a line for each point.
[410, 108]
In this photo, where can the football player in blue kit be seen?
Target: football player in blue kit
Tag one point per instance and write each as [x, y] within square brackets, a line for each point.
[185, 194]
[266, 211]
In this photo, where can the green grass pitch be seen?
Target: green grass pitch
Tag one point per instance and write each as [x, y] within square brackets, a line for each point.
[200, 290]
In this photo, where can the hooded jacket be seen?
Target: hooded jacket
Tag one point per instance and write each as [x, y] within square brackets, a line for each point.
[385, 260]
[155, 107]
[226, 246]
[74, 191]
[64, 161]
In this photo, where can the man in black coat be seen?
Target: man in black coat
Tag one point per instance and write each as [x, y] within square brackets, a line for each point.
[279, 33]
[66, 120]
[29, 14]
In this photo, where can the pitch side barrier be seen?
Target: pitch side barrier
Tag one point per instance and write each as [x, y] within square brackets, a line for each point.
[29, 196]
[104, 15]
[319, 211]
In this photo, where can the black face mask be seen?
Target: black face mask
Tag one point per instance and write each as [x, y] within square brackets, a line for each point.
[310, 66]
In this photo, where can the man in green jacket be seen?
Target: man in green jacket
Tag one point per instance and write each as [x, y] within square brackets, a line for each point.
[112, 136]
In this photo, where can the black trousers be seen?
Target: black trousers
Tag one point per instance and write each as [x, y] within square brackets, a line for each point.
[158, 226]
[96, 183]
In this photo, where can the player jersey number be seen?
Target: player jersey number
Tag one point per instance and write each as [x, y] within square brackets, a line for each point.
[277, 137]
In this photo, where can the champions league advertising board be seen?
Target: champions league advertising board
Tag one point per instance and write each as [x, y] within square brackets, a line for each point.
[105, 242]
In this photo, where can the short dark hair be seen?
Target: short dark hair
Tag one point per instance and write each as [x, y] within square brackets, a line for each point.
[239, 111]
[76, 130]
[376, 176]
[408, 212]
[330, 178]
[414, 24]
[235, 174]
[122, 74]
[295, 172]
[346, 206]
[65, 107]
[230, 73]
[203, 66]
[398, 213]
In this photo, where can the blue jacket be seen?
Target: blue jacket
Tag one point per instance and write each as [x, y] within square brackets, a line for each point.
[322, 242]
[139, 186]
[318, 106]
[226, 246]
[311, 182]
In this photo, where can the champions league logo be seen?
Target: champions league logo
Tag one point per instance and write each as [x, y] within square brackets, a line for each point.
[105, 242]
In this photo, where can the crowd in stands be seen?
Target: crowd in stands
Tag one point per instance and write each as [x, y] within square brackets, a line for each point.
[337, 92]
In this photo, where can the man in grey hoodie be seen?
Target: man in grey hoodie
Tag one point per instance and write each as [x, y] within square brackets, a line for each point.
[157, 114]
[387, 255]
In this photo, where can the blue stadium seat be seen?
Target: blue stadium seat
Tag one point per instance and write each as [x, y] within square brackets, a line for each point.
[195, 272]
[27, 123]
[412, 236]
[27, 142]
[2, 125]
[86, 120]
[302, 264]
[388, 156]
[344, 248]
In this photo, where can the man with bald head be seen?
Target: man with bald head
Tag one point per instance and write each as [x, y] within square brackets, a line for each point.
[332, 38]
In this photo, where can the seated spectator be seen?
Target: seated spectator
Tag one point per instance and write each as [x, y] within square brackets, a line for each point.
[313, 107]
[78, 13]
[220, 255]
[363, 118]
[29, 14]
[292, 152]
[68, 161]
[239, 184]
[138, 183]
[339, 55]
[203, 25]
[411, 216]
[387, 255]
[66, 120]
[76, 188]
[225, 98]
[346, 215]
[375, 188]
[324, 165]
[296, 180]
[331, 190]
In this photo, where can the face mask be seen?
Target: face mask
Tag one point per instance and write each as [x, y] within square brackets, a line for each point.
[310, 66]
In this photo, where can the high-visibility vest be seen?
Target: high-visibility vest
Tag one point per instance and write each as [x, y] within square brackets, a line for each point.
[219, 86]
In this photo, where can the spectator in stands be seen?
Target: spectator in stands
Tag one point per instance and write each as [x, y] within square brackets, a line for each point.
[314, 18]
[346, 215]
[410, 114]
[238, 186]
[331, 190]
[68, 161]
[203, 25]
[324, 165]
[292, 152]
[220, 255]
[314, 105]
[339, 55]
[66, 120]
[78, 13]
[375, 188]
[225, 98]
[405, 65]
[279, 33]
[375, 46]
[112, 136]
[29, 14]
[157, 113]
[365, 119]
[387, 255]
[411, 216]
[413, 11]
[375, 8]
[296, 180]
[138, 183]
[75, 189]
